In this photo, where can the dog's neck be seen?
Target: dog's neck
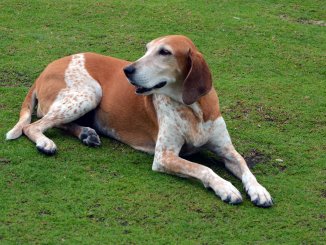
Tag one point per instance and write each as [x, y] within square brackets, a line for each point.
[172, 91]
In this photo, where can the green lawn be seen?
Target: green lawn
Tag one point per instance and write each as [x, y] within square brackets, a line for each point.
[268, 63]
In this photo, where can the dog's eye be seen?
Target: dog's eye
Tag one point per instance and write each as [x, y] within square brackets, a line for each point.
[164, 52]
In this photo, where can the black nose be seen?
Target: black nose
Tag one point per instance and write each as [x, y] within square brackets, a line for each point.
[129, 70]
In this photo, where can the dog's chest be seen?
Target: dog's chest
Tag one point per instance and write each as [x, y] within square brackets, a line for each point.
[177, 120]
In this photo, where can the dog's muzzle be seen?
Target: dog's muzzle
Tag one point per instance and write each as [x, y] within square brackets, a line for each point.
[130, 71]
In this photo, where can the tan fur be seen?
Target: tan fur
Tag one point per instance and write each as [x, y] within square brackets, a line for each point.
[132, 117]
[210, 106]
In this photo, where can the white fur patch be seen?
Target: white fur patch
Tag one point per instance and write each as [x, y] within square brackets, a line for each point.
[82, 94]
[173, 121]
[77, 76]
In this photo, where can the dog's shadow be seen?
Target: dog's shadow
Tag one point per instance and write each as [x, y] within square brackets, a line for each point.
[205, 158]
[213, 162]
[210, 160]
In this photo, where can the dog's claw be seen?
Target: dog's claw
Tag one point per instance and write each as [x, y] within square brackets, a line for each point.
[228, 199]
[266, 204]
[233, 202]
[256, 201]
[237, 201]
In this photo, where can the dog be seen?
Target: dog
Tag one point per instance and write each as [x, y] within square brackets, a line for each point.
[163, 104]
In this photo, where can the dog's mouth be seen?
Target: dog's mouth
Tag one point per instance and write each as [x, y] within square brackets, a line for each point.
[142, 90]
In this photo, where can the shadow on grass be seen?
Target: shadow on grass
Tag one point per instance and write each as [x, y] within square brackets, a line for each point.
[252, 157]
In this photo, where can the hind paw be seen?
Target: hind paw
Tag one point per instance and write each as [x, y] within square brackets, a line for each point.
[89, 137]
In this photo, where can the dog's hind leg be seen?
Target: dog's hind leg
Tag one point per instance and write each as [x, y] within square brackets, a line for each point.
[70, 105]
[81, 95]
[86, 134]
[35, 131]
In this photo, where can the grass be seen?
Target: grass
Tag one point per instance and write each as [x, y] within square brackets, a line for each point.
[268, 63]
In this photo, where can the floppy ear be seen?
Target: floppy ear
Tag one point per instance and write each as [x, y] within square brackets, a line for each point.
[199, 79]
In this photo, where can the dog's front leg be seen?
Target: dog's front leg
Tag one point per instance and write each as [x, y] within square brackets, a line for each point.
[167, 160]
[221, 144]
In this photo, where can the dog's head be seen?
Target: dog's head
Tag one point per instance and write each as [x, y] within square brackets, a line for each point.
[173, 66]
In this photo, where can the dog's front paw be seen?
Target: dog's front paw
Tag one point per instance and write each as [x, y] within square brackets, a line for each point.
[227, 192]
[259, 195]
[89, 137]
[46, 146]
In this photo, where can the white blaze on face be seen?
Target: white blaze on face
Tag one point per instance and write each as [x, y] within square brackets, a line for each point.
[154, 67]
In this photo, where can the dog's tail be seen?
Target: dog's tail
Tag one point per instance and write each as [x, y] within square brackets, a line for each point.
[25, 115]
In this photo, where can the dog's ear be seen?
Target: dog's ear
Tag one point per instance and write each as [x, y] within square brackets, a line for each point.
[198, 82]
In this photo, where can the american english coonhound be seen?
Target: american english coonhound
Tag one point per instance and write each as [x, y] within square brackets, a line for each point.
[178, 112]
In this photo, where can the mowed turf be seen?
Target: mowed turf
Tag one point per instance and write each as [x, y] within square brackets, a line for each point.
[268, 63]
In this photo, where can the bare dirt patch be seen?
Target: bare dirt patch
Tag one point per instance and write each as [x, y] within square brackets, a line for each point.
[312, 22]
[254, 157]
[12, 78]
[239, 110]
[4, 160]
[242, 110]
[323, 193]
[303, 20]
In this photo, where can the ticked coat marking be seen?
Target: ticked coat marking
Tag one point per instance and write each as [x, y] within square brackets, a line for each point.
[177, 114]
